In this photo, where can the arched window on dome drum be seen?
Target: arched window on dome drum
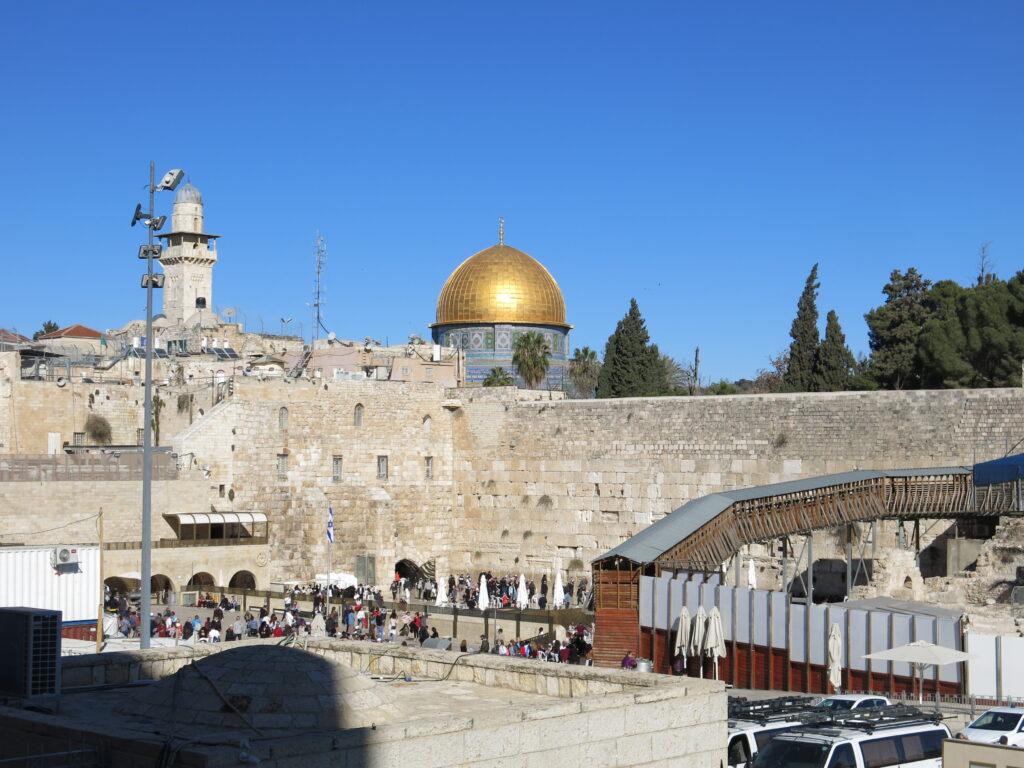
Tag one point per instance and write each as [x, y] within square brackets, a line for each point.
[357, 415]
[427, 422]
[282, 419]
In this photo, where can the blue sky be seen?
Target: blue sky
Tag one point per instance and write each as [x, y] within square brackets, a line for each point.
[698, 156]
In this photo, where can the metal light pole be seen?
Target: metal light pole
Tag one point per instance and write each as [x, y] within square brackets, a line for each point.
[149, 281]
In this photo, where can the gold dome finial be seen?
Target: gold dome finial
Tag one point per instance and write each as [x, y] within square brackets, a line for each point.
[501, 231]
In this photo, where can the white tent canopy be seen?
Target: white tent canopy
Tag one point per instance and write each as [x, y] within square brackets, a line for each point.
[921, 654]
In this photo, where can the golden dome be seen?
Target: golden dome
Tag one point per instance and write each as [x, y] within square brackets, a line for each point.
[501, 285]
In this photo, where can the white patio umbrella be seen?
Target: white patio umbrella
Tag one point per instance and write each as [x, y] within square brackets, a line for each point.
[558, 596]
[835, 656]
[696, 646]
[751, 574]
[714, 639]
[921, 654]
[682, 635]
[482, 603]
[441, 599]
[522, 596]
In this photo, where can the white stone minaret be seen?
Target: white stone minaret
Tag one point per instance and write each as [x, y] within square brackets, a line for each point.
[188, 257]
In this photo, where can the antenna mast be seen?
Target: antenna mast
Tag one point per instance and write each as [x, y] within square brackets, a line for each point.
[320, 252]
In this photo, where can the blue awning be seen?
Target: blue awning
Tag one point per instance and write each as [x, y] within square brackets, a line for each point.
[1004, 470]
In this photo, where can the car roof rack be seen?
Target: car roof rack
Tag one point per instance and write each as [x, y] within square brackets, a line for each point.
[768, 710]
[877, 718]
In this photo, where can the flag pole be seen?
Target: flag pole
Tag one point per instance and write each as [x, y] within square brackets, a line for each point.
[330, 551]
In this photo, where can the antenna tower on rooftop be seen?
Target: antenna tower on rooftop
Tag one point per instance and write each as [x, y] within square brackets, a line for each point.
[320, 252]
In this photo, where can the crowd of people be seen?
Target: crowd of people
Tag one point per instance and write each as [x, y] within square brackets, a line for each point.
[503, 591]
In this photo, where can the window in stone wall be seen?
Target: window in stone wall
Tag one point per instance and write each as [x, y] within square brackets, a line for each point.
[382, 467]
[79, 438]
[427, 423]
[430, 373]
[282, 466]
[140, 435]
[282, 419]
[428, 467]
[336, 468]
[357, 415]
[221, 492]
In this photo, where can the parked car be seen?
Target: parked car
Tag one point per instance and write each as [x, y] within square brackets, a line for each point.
[889, 737]
[752, 724]
[999, 725]
[856, 701]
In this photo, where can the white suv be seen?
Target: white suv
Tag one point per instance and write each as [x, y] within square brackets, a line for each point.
[752, 724]
[856, 701]
[878, 738]
[1000, 725]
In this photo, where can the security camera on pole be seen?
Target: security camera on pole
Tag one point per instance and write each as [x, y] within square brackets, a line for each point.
[150, 280]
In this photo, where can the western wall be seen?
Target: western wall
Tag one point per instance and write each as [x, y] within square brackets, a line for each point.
[518, 479]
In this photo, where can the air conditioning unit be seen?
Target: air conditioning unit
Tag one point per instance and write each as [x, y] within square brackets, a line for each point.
[30, 652]
[64, 556]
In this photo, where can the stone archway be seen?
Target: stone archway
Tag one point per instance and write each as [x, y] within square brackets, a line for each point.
[242, 580]
[120, 585]
[408, 570]
[201, 580]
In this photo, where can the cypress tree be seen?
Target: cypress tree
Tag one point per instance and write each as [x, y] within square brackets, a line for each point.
[834, 363]
[804, 348]
[632, 367]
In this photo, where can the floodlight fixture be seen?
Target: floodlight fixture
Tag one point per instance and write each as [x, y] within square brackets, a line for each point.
[171, 179]
[147, 251]
[156, 278]
[138, 215]
[156, 223]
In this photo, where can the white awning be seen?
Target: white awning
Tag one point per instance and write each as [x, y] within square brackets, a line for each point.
[220, 517]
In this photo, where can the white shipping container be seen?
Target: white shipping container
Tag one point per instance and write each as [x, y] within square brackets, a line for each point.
[27, 578]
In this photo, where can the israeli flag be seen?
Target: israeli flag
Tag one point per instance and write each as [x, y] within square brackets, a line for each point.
[330, 524]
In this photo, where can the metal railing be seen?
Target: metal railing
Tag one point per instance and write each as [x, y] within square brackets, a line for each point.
[83, 466]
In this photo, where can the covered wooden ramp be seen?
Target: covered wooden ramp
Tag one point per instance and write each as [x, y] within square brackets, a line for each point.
[703, 534]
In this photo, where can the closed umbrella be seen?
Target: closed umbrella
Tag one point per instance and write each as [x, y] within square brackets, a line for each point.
[482, 602]
[835, 655]
[751, 574]
[714, 639]
[522, 596]
[441, 599]
[696, 646]
[558, 596]
[921, 654]
[682, 635]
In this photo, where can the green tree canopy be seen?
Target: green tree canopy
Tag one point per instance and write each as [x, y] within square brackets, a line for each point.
[804, 331]
[893, 329]
[48, 327]
[530, 355]
[583, 370]
[632, 367]
[834, 363]
[498, 377]
[974, 336]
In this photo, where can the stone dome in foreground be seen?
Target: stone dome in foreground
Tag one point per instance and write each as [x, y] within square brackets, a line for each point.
[268, 687]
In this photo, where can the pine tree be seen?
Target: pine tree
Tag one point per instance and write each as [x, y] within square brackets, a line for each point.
[632, 367]
[804, 349]
[834, 364]
[893, 329]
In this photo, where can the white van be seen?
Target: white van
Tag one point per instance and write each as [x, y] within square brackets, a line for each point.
[890, 737]
[752, 724]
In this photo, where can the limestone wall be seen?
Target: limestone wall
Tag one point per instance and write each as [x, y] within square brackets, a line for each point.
[405, 515]
[574, 478]
[589, 716]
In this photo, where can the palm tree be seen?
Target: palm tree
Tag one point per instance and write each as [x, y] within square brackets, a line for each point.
[583, 370]
[499, 377]
[530, 355]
